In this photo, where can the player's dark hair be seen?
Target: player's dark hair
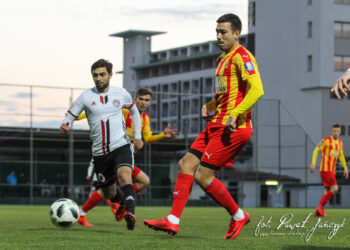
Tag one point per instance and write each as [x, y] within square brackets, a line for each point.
[101, 64]
[236, 23]
[336, 125]
[144, 91]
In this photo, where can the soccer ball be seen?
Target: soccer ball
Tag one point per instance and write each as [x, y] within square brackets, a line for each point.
[64, 213]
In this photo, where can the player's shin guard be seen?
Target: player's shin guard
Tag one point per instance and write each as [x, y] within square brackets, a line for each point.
[129, 198]
[181, 193]
[94, 199]
[325, 198]
[218, 192]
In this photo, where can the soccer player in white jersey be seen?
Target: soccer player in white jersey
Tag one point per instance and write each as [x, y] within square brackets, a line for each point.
[112, 152]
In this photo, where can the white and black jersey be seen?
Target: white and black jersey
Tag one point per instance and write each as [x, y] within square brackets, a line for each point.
[105, 118]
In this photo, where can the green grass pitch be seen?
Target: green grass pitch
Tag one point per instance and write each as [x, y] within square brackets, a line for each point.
[29, 227]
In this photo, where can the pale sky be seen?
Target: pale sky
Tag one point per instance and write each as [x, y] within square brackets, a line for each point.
[54, 42]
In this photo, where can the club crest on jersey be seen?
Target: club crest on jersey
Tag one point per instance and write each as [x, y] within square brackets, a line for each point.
[93, 103]
[116, 103]
[249, 66]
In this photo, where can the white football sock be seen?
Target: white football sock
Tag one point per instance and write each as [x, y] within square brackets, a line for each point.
[239, 215]
[82, 213]
[173, 219]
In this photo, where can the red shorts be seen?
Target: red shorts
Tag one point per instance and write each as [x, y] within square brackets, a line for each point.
[134, 173]
[216, 147]
[328, 179]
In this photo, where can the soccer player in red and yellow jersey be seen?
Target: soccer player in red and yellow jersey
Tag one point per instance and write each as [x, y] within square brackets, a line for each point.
[238, 88]
[140, 179]
[332, 150]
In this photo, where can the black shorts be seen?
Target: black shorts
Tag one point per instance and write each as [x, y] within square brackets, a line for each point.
[106, 165]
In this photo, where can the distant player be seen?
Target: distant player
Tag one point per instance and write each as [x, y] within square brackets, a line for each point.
[140, 179]
[332, 149]
[238, 88]
[112, 152]
[342, 85]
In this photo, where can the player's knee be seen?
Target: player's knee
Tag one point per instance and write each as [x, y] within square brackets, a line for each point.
[186, 166]
[145, 181]
[334, 189]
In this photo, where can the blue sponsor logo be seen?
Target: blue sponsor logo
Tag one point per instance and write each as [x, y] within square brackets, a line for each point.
[249, 66]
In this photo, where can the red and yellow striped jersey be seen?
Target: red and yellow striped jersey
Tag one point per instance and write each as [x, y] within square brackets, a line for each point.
[145, 128]
[232, 72]
[331, 150]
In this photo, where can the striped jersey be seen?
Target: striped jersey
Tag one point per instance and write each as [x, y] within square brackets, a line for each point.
[331, 150]
[145, 128]
[232, 72]
[105, 117]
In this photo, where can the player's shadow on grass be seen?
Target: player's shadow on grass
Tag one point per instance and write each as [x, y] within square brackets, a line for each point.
[293, 247]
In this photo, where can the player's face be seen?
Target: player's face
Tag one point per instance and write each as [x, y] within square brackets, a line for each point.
[335, 133]
[227, 39]
[101, 78]
[143, 101]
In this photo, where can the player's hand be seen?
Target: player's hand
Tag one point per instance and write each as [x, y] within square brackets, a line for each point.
[346, 174]
[312, 168]
[206, 114]
[138, 144]
[88, 177]
[231, 124]
[169, 133]
[64, 127]
[342, 85]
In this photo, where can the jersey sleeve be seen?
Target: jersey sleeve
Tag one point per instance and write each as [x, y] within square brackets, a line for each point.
[128, 101]
[342, 158]
[78, 106]
[246, 64]
[210, 105]
[319, 147]
[147, 132]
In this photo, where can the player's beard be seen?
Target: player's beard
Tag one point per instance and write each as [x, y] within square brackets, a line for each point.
[102, 87]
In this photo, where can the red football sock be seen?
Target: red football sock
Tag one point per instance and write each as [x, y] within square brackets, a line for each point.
[94, 199]
[181, 193]
[136, 188]
[325, 198]
[218, 191]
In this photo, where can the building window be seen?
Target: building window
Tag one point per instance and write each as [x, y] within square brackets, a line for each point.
[165, 90]
[342, 127]
[195, 87]
[173, 90]
[342, 29]
[309, 2]
[165, 109]
[309, 63]
[185, 126]
[309, 29]
[186, 88]
[186, 107]
[194, 126]
[341, 63]
[195, 106]
[173, 109]
[251, 15]
[208, 85]
[342, 1]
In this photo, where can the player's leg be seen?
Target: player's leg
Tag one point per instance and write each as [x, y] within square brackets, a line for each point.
[187, 166]
[95, 198]
[140, 179]
[222, 149]
[128, 195]
[331, 187]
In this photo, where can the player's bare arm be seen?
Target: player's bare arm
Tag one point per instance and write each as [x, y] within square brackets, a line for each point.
[231, 124]
[138, 144]
[64, 127]
[342, 85]
[312, 168]
[169, 133]
[346, 174]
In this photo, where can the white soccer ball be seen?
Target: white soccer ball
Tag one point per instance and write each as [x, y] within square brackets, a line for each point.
[64, 212]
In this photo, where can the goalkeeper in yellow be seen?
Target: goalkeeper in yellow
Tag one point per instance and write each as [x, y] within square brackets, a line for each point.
[332, 149]
[140, 179]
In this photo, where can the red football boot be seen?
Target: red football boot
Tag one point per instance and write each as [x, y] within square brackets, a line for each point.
[320, 212]
[162, 225]
[83, 221]
[130, 220]
[120, 213]
[236, 227]
[114, 206]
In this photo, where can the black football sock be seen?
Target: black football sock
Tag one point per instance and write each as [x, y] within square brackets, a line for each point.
[129, 198]
[118, 197]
